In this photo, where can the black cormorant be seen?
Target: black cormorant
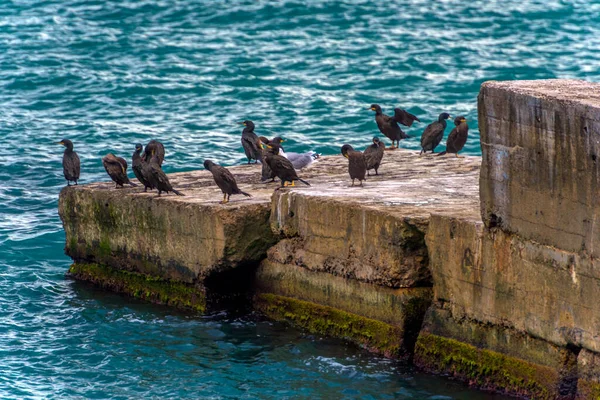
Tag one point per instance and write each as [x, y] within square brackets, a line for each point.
[116, 167]
[388, 126]
[357, 165]
[458, 137]
[374, 154]
[137, 165]
[154, 147]
[224, 180]
[159, 179]
[267, 176]
[282, 167]
[70, 162]
[434, 133]
[250, 142]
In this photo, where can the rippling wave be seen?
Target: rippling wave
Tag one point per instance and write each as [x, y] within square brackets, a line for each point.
[108, 74]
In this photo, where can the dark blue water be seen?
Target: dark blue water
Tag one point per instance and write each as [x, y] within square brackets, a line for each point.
[108, 74]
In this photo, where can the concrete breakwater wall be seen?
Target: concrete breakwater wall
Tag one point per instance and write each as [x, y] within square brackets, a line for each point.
[501, 293]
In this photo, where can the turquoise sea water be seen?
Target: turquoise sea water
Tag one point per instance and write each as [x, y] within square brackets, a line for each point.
[108, 74]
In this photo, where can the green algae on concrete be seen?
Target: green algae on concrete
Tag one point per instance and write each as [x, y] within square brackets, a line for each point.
[376, 336]
[179, 239]
[486, 369]
[145, 287]
[588, 369]
[588, 389]
[392, 306]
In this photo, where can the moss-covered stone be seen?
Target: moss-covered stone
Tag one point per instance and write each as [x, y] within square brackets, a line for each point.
[149, 288]
[588, 389]
[486, 369]
[177, 238]
[374, 335]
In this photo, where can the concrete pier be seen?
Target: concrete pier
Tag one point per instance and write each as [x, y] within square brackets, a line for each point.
[501, 293]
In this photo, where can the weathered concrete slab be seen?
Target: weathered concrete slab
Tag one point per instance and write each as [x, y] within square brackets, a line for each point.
[490, 275]
[179, 238]
[376, 233]
[540, 173]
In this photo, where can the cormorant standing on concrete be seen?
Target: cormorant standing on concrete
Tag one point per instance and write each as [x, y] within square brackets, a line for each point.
[154, 147]
[70, 162]
[282, 167]
[434, 133]
[458, 137]
[116, 167]
[374, 154]
[224, 180]
[159, 179]
[251, 143]
[357, 165]
[388, 126]
[137, 165]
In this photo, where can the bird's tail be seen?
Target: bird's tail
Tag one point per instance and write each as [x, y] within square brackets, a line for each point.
[442, 153]
[178, 193]
[246, 194]
[303, 181]
[404, 135]
[132, 184]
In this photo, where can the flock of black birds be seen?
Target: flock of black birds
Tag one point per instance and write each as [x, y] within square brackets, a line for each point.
[276, 163]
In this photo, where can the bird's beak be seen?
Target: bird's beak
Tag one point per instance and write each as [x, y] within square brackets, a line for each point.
[346, 155]
[371, 108]
[282, 140]
[61, 143]
[241, 123]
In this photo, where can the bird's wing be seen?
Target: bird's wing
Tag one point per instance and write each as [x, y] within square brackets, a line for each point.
[370, 155]
[279, 162]
[224, 175]
[370, 150]
[252, 141]
[387, 119]
[404, 117]
[112, 166]
[430, 132]
[122, 163]
[76, 165]
[160, 152]
[159, 174]
[358, 158]
[301, 160]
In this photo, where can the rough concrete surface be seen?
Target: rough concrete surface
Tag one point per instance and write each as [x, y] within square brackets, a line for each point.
[374, 233]
[540, 173]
